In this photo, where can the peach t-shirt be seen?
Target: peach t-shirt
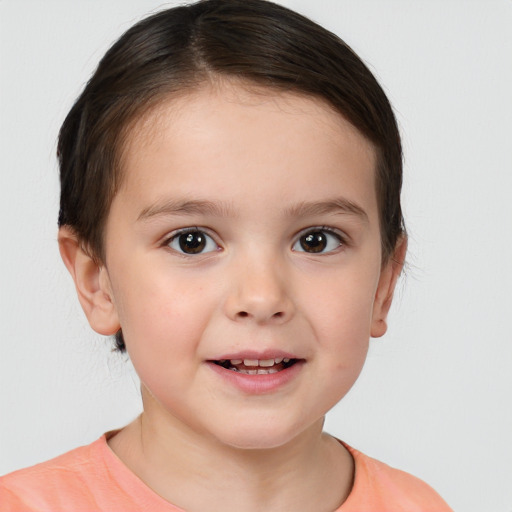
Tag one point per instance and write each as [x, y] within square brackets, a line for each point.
[92, 478]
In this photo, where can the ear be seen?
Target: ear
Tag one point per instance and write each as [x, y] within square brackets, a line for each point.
[390, 272]
[92, 283]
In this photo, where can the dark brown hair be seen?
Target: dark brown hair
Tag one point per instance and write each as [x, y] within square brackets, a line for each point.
[178, 49]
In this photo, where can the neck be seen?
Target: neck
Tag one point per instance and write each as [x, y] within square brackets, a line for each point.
[311, 472]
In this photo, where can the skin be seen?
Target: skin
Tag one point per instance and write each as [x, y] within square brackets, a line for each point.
[249, 169]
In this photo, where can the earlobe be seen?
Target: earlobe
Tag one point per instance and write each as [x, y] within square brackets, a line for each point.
[387, 282]
[92, 284]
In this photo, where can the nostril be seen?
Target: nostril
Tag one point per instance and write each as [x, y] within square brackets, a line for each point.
[245, 314]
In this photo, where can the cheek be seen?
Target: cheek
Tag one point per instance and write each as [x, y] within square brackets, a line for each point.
[163, 316]
[344, 306]
[159, 338]
[151, 297]
[340, 315]
[344, 336]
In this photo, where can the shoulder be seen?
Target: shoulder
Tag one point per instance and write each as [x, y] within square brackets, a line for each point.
[49, 485]
[86, 479]
[378, 486]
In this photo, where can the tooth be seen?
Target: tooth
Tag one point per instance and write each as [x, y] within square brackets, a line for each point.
[272, 370]
[278, 360]
[266, 362]
[250, 362]
[236, 361]
[263, 372]
[286, 360]
[252, 372]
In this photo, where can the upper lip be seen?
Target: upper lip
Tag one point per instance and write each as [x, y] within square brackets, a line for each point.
[256, 355]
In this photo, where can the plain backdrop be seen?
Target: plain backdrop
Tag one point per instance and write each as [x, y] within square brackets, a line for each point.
[434, 398]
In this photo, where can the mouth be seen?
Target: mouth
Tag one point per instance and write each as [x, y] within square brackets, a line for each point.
[257, 366]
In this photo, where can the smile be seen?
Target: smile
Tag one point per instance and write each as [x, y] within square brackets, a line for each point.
[257, 366]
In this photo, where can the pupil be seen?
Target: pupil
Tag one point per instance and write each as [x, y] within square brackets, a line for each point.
[192, 243]
[314, 242]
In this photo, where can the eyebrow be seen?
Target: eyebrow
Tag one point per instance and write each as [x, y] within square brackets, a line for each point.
[339, 205]
[185, 207]
[335, 206]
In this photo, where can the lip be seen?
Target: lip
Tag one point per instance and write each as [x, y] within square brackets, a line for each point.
[258, 384]
[253, 354]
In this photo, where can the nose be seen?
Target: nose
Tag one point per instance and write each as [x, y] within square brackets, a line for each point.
[260, 292]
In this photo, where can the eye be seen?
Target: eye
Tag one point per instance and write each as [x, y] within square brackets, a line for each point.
[192, 241]
[318, 241]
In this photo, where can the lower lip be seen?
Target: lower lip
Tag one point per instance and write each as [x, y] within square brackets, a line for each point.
[258, 384]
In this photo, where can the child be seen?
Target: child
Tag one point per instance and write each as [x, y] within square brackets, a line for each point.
[230, 211]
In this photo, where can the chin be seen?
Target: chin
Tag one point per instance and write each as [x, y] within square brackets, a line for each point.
[265, 436]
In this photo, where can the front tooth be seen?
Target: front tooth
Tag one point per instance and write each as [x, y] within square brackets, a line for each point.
[252, 372]
[236, 361]
[250, 362]
[266, 362]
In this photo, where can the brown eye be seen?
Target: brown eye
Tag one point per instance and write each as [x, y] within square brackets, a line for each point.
[192, 242]
[314, 242]
[318, 241]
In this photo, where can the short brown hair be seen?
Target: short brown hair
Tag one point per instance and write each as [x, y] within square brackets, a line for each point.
[178, 49]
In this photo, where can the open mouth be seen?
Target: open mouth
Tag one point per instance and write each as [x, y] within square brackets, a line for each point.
[257, 366]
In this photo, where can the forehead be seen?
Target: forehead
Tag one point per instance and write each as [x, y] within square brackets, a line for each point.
[248, 134]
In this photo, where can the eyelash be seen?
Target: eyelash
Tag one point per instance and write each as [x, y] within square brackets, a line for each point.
[175, 237]
[207, 241]
[341, 240]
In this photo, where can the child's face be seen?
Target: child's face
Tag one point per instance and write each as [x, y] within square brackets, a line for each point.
[246, 228]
